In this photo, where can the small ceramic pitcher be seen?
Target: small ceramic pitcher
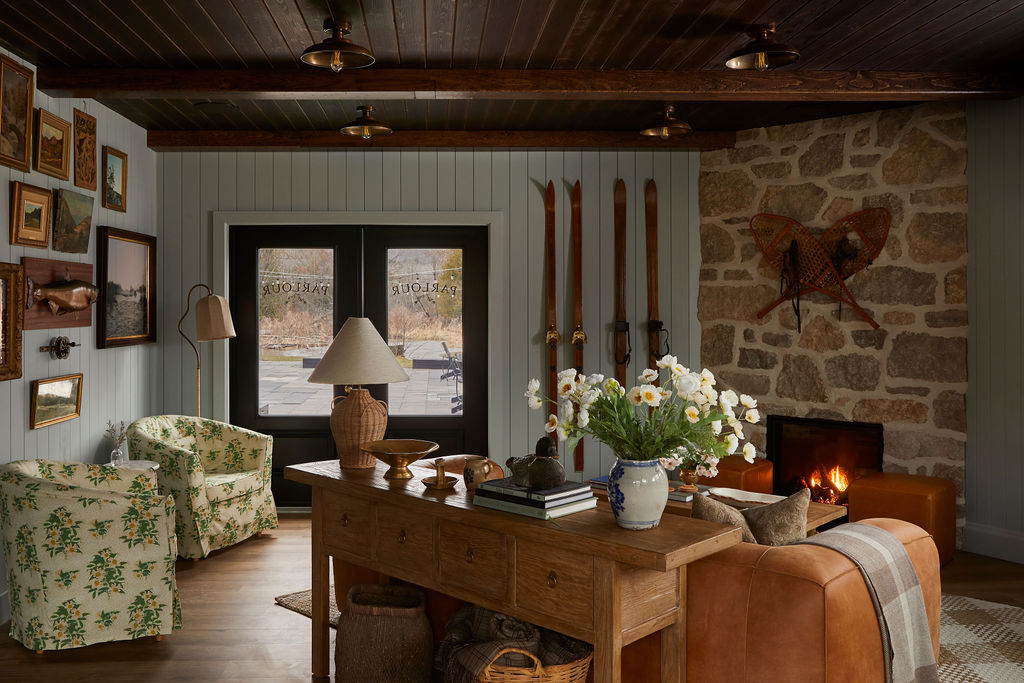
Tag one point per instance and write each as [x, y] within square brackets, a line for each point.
[475, 471]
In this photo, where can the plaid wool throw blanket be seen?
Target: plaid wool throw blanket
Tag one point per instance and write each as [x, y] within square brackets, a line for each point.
[896, 594]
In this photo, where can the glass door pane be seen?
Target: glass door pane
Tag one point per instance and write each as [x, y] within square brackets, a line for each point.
[295, 327]
[424, 309]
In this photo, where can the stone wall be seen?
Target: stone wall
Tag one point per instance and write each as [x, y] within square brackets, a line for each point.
[911, 373]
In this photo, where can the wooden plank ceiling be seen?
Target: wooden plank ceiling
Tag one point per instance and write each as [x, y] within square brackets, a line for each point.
[670, 35]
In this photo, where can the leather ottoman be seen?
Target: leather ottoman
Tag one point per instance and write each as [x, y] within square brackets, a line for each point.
[736, 473]
[928, 502]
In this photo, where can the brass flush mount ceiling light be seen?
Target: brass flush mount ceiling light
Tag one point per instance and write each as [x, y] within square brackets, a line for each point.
[763, 52]
[365, 126]
[667, 125]
[336, 51]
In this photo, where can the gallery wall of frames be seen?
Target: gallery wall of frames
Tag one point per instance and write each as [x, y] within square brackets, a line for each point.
[78, 188]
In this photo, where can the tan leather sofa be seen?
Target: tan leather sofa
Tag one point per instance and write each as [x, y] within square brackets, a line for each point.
[787, 613]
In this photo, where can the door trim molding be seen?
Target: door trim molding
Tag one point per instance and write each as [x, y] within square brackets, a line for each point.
[498, 420]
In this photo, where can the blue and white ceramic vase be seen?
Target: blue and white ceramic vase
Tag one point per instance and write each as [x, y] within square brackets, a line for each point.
[637, 491]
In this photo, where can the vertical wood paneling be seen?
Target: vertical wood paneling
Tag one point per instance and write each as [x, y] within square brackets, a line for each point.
[511, 182]
[995, 342]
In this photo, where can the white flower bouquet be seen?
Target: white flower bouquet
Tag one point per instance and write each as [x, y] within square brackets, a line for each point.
[685, 422]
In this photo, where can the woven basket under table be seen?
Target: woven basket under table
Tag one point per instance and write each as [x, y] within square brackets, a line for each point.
[573, 672]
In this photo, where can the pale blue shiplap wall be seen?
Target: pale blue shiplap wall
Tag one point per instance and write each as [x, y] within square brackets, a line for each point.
[119, 384]
[995, 341]
[193, 185]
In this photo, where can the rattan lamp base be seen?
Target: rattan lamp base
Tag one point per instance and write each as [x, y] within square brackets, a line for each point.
[356, 419]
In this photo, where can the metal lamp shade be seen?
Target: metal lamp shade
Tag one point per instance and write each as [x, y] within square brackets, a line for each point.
[337, 52]
[667, 125]
[213, 319]
[762, 52]
[365, 126]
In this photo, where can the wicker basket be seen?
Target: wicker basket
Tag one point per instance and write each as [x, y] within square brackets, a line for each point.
[573, 672]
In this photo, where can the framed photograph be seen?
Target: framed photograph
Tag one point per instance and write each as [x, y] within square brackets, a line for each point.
[53, 145]
[55, 400]
[12, 307]
[73, 222]
[16, 90]
[127, 280]
[115, 179]
[85, 150]
[31, 213]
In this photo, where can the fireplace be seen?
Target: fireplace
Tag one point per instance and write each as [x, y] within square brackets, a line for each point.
[822, 455]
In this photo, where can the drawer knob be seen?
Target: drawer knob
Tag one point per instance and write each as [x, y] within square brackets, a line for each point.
[469, 555]
[552, 579]
[401, 536]
[344, 519]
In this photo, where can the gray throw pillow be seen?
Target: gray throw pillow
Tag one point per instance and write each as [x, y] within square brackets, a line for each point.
[708, 509]
[779, 523]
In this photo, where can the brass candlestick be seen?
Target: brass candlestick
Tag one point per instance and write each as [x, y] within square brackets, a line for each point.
[440, 481]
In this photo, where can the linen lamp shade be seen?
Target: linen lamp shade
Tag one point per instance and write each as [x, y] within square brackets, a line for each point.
[358, 355]
[213, 319]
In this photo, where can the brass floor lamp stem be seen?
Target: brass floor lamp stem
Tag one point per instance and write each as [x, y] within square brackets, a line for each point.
[188, 306]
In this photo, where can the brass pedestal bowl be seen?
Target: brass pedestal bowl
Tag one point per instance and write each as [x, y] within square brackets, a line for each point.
[398, 453]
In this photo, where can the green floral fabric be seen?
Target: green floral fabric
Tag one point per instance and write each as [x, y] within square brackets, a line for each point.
[219, 476]
[90, 553]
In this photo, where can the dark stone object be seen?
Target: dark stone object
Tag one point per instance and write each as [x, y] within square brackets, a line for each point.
[540, 470]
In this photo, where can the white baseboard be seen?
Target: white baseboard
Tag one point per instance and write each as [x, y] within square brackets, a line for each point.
[994, 542]
[5, 607]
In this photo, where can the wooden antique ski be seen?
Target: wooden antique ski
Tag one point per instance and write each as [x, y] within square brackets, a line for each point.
[654, 325]
[623, 345]
[551, 337]
[579, 337]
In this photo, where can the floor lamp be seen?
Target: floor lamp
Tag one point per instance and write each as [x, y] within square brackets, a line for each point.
[213, 322]
[357, 356]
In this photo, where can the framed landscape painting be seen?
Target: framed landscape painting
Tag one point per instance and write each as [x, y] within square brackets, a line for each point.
[73, 222]
[53, 145]
[85, 150]
[15, 114]
[12, 307]
[55, 400]
[31, 213]
[115, 178]
[127, 280]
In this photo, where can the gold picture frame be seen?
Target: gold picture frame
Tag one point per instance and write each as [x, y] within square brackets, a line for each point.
[55, 400]
[12, 316]
[53, 145]
[16, 90]
[31, 215]
[85, 150]
[115, 179]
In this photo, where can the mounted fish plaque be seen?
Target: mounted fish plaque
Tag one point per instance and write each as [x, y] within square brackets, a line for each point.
[58, 293]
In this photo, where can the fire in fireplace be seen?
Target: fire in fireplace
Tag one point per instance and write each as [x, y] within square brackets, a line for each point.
[822, 455]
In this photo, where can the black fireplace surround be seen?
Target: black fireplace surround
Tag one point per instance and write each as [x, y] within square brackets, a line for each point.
[797, 446]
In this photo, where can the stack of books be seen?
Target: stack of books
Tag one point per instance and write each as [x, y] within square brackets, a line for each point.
[505, 495]
[673, 494]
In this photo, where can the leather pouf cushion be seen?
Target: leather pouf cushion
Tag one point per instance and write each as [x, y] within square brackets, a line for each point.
[928, 502]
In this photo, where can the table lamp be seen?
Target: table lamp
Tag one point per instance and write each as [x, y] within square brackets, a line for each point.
[357, 356]
[213, 322]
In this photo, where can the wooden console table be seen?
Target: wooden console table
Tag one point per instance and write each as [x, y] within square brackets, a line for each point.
[580, 575]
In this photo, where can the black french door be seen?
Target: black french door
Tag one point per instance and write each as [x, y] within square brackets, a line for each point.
[424, 289]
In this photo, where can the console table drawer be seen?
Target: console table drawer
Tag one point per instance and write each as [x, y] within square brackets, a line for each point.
[474, 559]
[555, 582]
[405, 541]
[350, 522]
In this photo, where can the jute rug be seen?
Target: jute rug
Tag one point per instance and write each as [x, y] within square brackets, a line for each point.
[982, 642]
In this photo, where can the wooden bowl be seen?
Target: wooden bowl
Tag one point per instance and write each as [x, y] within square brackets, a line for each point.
[398, 453]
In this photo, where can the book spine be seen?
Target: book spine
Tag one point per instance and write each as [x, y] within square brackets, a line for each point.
[582, 494]
[518, 493]
[505, 506]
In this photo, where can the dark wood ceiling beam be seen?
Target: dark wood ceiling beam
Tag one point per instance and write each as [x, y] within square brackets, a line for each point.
[245, 140]
[540, 84]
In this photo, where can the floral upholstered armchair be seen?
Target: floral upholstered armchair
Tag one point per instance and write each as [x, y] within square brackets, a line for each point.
[90, 553]
[219, 476]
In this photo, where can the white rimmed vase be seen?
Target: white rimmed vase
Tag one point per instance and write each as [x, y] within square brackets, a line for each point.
[637, 491]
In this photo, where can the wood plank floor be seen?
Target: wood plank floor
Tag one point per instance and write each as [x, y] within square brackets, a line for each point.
[234, 631]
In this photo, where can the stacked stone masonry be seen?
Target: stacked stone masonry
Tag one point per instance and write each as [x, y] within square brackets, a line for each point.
[911, 373]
